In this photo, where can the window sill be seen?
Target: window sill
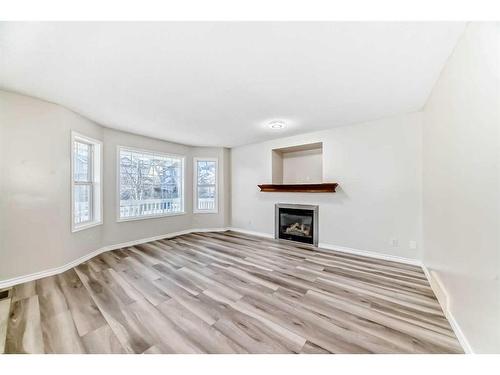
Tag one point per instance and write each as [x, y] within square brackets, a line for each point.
[134, 218]
[205, 211]
[85, 226]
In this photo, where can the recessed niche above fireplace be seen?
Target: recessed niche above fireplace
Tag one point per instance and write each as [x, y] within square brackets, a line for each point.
[302, 164]
[298, 169]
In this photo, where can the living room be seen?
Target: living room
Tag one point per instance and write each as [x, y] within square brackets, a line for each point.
[249, 187]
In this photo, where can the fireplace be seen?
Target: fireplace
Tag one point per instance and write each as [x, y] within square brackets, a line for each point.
[296, 222]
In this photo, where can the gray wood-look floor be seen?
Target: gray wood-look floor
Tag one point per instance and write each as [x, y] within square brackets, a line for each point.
[227, 293]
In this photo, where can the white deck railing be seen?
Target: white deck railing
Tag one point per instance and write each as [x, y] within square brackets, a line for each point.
[206, 203]
[131, 208]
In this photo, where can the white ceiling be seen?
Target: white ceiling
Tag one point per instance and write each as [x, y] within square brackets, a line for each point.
[210, 83]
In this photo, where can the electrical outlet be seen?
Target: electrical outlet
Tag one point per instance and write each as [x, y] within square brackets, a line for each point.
[394, 242]
[413, 245]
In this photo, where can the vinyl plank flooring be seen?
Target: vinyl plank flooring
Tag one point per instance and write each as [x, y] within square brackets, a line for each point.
[307, 325]
[146, 287]
[4, 319]
[97, 264]
[153, 252]
[205, 283]
[310, 348]
[24, 329]
[393, 340]
[252, 335]
[23, 291]
[278, 326]
[241, 285]
[179, 279]
[102, 341]
[227, 292]
[142, 266]
[164, 332]
[206, 337]
[60, 334]
[85, 313]
[393, 322]
[113, 303]
[153, 350]
[201, 305]
[50, 297]
[175, 254]
[113, 260]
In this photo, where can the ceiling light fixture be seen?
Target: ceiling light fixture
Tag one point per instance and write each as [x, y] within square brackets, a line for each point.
[276, 124]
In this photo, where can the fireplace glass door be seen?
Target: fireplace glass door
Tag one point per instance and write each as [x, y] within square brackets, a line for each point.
[296, 225]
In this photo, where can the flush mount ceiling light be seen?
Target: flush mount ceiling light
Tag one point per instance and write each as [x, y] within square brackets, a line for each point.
[277, 124]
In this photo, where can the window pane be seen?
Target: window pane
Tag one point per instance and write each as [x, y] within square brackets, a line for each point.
[81, 162]
[150, 184]
[82, 203]
[206, 172]
[206, 197]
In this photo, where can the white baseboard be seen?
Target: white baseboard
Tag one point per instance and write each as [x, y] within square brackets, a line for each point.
[57, 270]
[50, 272]
[251, 232]
[371, 254]
[444, 301]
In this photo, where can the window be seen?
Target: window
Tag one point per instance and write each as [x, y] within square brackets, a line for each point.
[205, 185]
[150, 184]
[86, 187]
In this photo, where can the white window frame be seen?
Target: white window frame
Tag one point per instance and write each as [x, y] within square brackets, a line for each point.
[96, 167]
[195, 186]
[155, 216]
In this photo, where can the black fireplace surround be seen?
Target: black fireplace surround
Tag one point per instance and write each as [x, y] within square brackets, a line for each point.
[296, 222]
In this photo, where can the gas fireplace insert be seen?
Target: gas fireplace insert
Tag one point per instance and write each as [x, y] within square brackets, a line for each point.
[296, 222]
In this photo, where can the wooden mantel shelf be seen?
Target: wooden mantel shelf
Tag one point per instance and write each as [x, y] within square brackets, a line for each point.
[299, 188]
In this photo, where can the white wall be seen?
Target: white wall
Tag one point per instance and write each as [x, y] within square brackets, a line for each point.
[35, 222]
[461, 185]
[378, 168]
[303, 167]
[35, 186]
